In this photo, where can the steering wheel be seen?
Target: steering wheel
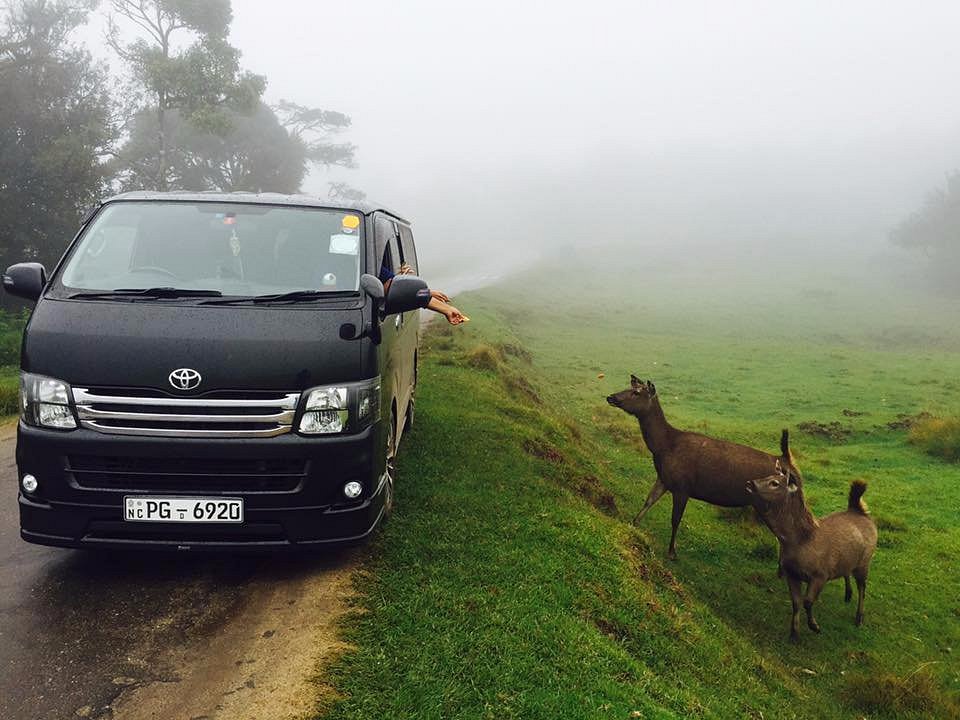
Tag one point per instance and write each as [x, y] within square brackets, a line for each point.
[154, 269]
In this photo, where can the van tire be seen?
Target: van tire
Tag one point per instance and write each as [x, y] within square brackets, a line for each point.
[391, 467]
[412, 402]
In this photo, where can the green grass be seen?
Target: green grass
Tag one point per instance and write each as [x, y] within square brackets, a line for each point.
[511, 584]
[11, 332]
[9, 390]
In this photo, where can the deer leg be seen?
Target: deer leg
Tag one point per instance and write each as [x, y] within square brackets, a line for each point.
[861, 577]
[679, 505]
[848, 591]
[796, 592]
[656, 492]
[813, 592]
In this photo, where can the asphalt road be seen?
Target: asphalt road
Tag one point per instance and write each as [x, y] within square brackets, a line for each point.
[131, 635]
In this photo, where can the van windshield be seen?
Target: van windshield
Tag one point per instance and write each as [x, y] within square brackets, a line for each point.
[224, 248]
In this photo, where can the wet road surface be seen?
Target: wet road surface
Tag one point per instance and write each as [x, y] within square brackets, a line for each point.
[145, 635]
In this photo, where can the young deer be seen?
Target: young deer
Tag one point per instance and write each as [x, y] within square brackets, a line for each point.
[816, 551]
[690, 465]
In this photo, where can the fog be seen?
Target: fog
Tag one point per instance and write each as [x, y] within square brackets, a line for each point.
[508, 130]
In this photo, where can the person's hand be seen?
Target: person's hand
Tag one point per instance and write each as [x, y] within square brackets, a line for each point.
[454, 316]
[441, 296]
[405, 269]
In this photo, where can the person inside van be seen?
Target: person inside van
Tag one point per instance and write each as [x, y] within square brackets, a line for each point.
[439, 301]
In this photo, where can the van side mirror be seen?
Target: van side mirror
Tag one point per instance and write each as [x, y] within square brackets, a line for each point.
[372, 286]
[407, 292]
[25, 280]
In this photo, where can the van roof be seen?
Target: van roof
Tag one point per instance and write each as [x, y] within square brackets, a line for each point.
[259, 198]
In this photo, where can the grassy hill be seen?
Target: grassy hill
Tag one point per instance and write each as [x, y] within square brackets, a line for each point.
[510, 583]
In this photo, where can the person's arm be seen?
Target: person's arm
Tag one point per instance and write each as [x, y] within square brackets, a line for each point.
[453, 316]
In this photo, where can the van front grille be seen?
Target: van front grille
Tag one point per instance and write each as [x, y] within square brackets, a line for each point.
[213, 415]
[180, 474]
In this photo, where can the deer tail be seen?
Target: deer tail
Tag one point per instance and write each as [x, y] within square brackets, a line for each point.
[855, 503]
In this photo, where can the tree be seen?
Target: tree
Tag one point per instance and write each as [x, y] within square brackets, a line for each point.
[56, 125]
[187, 70]
[314, 127]
[344, 191]
[934, 229]
[260, 152]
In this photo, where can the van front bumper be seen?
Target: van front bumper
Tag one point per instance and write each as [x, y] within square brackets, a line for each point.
[291, 487]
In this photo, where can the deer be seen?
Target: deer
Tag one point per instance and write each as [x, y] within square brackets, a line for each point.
[691, 465]
[816, 551]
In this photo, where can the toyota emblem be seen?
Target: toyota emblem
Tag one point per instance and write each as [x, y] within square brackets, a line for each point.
[184, 379]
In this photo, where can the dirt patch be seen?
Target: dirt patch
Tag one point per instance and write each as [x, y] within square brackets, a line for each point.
[906, 421]
[852, 413]
[540, 448]
[520, 386]
[516, 351]
[263, 663]
[832, 431]
[592, 490]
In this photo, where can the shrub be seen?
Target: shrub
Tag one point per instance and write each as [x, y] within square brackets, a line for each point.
[11, 332]
[918, 691]
[9, 390]
[484, 357]
[939, 437]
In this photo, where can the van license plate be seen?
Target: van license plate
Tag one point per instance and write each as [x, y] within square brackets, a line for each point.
[138, 508]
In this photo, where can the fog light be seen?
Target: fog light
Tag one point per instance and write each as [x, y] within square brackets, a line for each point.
[29, 484]
[353, 489]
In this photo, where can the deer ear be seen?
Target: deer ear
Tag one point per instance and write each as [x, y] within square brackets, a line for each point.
[635, 382]
[778, 467]
[651, 387]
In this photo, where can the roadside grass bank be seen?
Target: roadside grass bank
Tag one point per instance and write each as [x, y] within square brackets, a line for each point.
[510, 583]
[11, 333]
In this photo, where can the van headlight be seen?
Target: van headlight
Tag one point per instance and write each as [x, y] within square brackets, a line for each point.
[343, 408]
[45, 402]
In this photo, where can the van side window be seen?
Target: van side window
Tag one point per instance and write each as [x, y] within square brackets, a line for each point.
[407, 247]
[386, 238]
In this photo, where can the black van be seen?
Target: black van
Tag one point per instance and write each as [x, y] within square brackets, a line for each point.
[217, 371]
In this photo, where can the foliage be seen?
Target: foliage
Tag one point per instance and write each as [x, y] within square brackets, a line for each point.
[256, 154]
[934, 229]
[343, 191]
[11, 333]
[939, 437]
[259, 151]
[55, 124]
[202, 80]
[313, 127]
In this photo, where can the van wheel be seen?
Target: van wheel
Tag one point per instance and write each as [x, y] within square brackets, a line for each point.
[411, 410]
[391, 467]
[412, 404]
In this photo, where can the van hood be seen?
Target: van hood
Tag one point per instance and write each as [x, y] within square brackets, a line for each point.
[233, 347]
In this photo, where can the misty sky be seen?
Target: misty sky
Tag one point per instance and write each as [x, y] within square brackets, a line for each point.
[690, 121]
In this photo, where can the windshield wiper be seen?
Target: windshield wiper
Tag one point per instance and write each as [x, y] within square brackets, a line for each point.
[156, 292]
[295, 296]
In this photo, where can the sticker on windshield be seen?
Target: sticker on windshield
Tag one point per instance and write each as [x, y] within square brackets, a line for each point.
[344, 245]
